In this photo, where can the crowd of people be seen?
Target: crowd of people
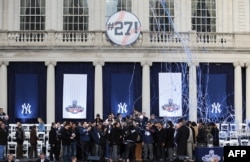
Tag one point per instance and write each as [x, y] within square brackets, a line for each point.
[115, 138]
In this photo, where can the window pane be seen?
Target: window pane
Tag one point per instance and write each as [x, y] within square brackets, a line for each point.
[112, 6]
[72, 12]
[161, 15]
[32, 14]
[204, 15]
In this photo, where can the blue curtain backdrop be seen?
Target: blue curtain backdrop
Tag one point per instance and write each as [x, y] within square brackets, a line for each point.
[121, 82]
[74, 68]
[215, 82]
[154, 84]
[27, 80]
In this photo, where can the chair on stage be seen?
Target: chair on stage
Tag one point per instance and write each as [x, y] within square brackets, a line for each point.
[41, 136]
[27, 135]
[26, 127]
[223, 138]
[224, 127]
[26, 148]
[12, 136]
[47, 148]
[242, 129]
[11, 148]
[39, 146]
[233, 138]
[233, 127]
[248, 128]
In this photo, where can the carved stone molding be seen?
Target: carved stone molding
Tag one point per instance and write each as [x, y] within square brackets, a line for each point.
[53, 63]
[146, 63]
[98, 62]
[238, 63]
[5, 63]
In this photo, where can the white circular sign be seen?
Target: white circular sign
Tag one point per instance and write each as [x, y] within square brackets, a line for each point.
[123, 28]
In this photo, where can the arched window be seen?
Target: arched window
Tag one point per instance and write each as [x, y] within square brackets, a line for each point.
[204, 15]
[112, 6]
[32, 15]
[161, 15]
[75, 15]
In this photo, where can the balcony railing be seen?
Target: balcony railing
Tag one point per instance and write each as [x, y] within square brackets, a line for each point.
[99, 39]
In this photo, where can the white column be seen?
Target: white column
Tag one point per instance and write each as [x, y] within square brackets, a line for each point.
[238, 92]
[146, 87]
[5, 15]
[98, 88]
[3, 85]
[247, 91]
[50, 91]
[192, 91]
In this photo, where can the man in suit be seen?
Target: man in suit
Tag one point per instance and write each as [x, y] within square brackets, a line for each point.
[181, 137]
[42, 158]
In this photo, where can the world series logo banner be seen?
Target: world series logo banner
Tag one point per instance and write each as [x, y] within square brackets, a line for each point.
[170, 94]
[26, 96]
[74, 96]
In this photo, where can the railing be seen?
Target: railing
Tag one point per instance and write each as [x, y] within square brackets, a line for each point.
[99, 39]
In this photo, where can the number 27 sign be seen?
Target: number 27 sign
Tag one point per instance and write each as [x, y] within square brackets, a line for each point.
[123, 28]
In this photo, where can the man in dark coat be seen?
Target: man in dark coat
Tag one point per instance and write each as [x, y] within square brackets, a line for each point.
[53, 142]
[170, 144]
[3, 139]
[181, 137]
[160, 141]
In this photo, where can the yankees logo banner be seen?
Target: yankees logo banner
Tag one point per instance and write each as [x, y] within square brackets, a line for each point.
[74, 96]
[170, 94]
[26, 96]
[122, 94]
[216, 100]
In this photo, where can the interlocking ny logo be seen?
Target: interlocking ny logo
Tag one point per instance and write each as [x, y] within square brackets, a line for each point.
[26, 108]
[122, 108]
[216, 108]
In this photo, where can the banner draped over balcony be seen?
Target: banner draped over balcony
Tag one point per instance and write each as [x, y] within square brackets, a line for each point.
[122, 86]
[27, 91]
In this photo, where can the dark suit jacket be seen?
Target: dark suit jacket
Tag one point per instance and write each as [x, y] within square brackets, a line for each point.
[181, 140]
[39, 160]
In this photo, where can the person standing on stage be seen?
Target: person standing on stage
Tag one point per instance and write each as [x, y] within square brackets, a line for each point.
[20, 136]
[3, 140]
[33, 142]
[53, 142]
[181, 137]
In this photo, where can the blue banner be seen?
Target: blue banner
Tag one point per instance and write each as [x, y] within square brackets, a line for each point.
[26, 96]
[217, 96]
[122, 94]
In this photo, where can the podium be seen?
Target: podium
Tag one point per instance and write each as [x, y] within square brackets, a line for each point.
[138, 151]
